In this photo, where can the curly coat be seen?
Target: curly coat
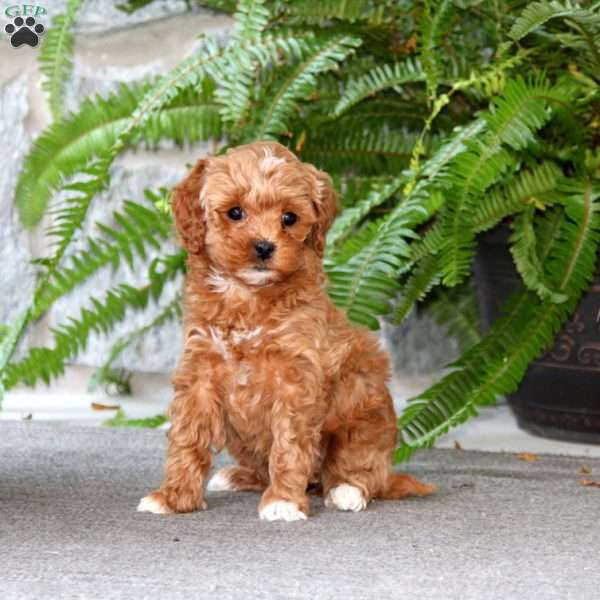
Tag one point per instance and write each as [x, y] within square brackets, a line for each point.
[271, 369]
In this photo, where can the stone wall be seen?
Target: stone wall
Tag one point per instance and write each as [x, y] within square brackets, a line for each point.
[113, 47]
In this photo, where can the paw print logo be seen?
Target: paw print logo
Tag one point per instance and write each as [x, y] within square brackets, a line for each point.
[24, 31]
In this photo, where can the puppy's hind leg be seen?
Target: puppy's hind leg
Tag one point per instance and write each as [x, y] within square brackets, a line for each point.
[358, 463]
[236, 478]
[250, 474]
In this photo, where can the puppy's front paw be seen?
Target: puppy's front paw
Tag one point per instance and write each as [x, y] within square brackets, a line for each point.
[154, 503]
[346, 497]
[281, 510]
[157, 504]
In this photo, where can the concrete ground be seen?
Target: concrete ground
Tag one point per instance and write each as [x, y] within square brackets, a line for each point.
[499, 527]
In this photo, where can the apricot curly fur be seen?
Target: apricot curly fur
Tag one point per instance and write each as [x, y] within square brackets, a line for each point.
[271, 369]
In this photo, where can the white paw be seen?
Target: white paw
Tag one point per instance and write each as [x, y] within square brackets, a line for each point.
[282, 510]
[152, 504]
[155, 505]
[346, 497]
[220, 482]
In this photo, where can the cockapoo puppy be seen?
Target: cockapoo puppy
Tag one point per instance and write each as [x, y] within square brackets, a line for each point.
[271, 369]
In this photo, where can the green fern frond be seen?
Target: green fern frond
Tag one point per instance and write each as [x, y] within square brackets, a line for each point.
[55, 57]
[433, 173]
[521, 110]
[251, 18]
[471, 173]
[490, 79]
[457, 310]
[394, 110]
[72, 337]
[130, 6]
[496, 365]
[549, 226]
[433, 27]
[434, 168]
[325, 55]
[70, 143]
[223, 64]
[8, 341]
[239, 71]
[433, 177]
[524, 253]
[423, 278]
[122, 420]
[377, 150]
[243, 60]
[106, 373]
[431, 242]
[536, 14]
[378, 79]
[138, 226]
[364, 284]
[535, 186]
[344, 10]
[547, 229]
[572, 261]
[226, 6]
[233, 67]
[190, 74]
[426, 192]
[68, 217]
[67, 222]
[380, 192]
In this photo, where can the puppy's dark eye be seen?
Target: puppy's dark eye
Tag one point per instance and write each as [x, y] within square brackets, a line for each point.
[289, 218]
[235, 213]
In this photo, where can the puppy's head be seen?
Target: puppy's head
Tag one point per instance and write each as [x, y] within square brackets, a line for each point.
[255, 212]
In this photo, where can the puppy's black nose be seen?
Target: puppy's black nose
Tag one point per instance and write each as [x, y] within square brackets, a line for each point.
[264, 249]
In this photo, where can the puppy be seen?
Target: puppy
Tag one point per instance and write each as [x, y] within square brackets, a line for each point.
[271, 369]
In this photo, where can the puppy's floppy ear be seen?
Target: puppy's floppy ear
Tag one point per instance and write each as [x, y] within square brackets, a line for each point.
[188, 210]
[324, 200]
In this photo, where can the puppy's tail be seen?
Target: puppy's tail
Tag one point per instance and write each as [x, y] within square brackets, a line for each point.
[399, 485]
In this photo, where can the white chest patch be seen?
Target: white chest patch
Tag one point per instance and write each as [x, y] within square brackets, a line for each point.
[219, 283]
[224, 341]
[243, 375]
[253, 277]
[245, 335]
[219, 341]
[227, 286]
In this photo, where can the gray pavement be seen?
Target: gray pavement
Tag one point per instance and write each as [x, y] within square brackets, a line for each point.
[498, 528]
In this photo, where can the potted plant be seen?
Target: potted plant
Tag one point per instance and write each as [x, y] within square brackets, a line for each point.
[437, 120]
[559, 396]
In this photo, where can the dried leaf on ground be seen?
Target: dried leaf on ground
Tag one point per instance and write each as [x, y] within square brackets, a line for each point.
[584, 470]
[589, 483]
[101, 406]
[527, 456]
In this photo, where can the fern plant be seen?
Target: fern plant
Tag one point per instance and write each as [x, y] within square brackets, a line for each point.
[421, 113]
[55, 57]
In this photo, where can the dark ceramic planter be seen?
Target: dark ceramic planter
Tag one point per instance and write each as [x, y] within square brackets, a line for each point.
[560, 394]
